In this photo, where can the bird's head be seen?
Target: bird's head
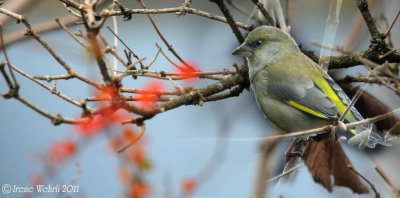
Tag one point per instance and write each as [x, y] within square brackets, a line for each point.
[265, 45]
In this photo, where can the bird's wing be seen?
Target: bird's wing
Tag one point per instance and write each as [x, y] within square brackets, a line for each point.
[302, 85]
[306, 96]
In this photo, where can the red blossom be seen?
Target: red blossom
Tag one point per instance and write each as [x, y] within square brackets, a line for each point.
[188, 185]
[188, 71]
[89, 127]
[109, 92]
[149, 95]
[107, 117]
[139, 189]
[110, 115]
[62, 150]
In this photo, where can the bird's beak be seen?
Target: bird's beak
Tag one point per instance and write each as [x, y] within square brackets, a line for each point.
[243, 50]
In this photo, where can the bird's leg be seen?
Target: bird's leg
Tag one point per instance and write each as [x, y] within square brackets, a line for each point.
[290, 153]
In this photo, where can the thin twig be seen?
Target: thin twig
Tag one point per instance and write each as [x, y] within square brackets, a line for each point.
[133, 53]
[12, 91]
[33, 34]
[15, 6]
[392, 24]
[73, 4]
[3, 48]
[16, 16]
[377, 195]
[154, 59]
[73, 12]
[130, 67]
[262, 9]
[70, 33]
[229, 18]
[285, 173]
[387, 54]
[384, 176]
[161, 36]
[134, 140]
[369, 64]
[115, 54]
[175, 10]
[244, 11]
[176, 86]
[353, 101]
[55, 120]
[52, 90]
[169, 59]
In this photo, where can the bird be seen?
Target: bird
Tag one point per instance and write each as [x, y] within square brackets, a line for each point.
[294, 93]
[291, 90]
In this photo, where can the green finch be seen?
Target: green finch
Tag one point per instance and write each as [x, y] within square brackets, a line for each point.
[295, 94]
[292, 91]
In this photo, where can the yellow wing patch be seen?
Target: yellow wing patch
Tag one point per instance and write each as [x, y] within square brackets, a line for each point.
[312, 112]
[306, 109]
[324, 85]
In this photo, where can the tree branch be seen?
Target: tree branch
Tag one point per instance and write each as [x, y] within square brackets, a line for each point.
[351, 59]
[230, 20]
[175, 10]
[363, 7]
[262, 9]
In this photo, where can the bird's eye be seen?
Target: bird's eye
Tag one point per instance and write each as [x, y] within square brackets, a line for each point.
[256, 43]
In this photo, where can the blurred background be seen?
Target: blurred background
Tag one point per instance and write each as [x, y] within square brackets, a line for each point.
[180, 143]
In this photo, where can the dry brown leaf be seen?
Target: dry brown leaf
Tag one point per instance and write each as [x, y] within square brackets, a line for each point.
[324, 159]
